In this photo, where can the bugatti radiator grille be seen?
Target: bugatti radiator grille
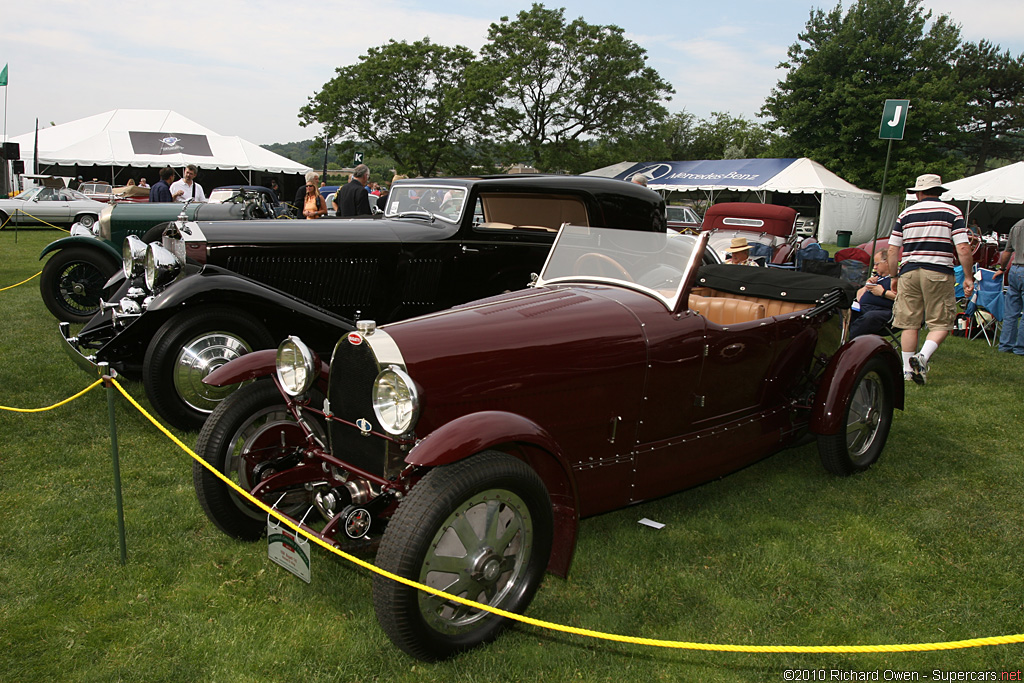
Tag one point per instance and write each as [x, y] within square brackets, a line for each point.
[327, 282]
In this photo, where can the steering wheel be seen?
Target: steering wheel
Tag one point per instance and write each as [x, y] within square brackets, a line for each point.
[579, 266]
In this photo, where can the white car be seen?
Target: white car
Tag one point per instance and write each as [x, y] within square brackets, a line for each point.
[50, 205]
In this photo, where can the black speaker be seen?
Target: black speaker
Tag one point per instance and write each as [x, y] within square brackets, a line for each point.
[12, 151]
[17, 166]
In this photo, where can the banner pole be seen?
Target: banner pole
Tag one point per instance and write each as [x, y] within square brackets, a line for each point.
[109, 384]
[881, 201]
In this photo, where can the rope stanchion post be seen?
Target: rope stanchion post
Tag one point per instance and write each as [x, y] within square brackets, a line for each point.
[108, 383]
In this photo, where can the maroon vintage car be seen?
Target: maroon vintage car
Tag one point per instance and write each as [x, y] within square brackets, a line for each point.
[769, 229]
[470, 442]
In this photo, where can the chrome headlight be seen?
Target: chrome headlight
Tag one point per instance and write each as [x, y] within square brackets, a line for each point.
[296, 366]
[395, 401]
[133, 256]
[161, 267]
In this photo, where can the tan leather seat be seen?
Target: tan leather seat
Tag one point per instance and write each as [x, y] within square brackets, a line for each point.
[771, 306]
[726, 311]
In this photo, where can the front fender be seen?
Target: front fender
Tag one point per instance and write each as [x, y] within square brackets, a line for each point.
[476, 432]
[837, 381]
[91, 242]
[262, 363]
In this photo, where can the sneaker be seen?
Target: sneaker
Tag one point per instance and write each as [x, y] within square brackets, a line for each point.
[919, 368]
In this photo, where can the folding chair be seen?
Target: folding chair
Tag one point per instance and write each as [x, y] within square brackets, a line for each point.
[985, 309]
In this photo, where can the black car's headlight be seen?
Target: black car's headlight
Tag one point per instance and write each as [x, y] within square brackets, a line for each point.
[133, 256]
[296, 366]
[162, 267]
[395, 400]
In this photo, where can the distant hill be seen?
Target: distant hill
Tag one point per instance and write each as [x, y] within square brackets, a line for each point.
[308, 152]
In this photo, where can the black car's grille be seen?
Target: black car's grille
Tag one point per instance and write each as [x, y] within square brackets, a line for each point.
[420, 285]
[353, 370]
[328, 282]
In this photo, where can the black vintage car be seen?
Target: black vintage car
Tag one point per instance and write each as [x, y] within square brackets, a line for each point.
[215, 291]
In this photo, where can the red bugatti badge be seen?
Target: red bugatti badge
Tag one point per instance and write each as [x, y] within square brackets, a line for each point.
[355, 339]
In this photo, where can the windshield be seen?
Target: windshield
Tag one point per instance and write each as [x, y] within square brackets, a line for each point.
[219, 196]
[656, 263]
[441, 201]
[682, 214]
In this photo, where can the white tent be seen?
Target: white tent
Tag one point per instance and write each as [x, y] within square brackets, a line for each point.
[147, 138]
[843, 206]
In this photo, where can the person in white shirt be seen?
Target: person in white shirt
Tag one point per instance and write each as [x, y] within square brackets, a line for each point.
[187, 188]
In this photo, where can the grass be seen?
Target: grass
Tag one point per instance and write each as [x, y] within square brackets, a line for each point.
[924, 547]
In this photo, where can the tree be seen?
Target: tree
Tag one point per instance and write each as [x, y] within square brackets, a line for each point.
[421, 104]
[829, 105]
[995, 81]
[564, 83]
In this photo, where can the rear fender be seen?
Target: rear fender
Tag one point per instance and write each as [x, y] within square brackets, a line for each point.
[470, 434]
[837, 381]
[91, 242]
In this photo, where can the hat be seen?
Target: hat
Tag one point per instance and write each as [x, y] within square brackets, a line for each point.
[737, 244]
[928, 181]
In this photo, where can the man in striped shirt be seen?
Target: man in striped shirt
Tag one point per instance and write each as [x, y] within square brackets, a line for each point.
[933, 236]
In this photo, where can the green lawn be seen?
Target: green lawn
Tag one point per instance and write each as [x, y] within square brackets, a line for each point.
[924, 547]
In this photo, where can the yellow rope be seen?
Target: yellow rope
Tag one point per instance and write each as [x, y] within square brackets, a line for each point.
[4, 289]
[55, 405]
[614, 637]
[26, 213]
[652, 642]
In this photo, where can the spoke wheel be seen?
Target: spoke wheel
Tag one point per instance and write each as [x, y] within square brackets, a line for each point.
[866, 426]
[186, 349]
[245, 430]
[72, 283]
[479, 529]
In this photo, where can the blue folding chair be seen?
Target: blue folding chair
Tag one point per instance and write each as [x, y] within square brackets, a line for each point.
[987, 298]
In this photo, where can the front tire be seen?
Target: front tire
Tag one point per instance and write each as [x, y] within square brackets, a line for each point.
[480, 528]
[87, 220]
[865, 426]
[72, 283]
[186, 349]
[244, 430]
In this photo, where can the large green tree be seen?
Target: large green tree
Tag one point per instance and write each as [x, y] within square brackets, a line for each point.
[423, 105]
[563, 83]
[994, 80]
[845, 64]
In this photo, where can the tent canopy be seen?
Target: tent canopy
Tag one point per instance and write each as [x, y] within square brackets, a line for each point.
[844, 206]
[994, 198]
[147, 138]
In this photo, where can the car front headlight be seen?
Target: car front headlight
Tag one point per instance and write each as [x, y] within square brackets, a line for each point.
[395, 400]
[161, 267]
[296, 366]
[133, 256]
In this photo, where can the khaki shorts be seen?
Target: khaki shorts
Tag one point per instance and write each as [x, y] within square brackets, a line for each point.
[925, 295]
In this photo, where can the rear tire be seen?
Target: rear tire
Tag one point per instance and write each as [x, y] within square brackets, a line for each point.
[186, 349]
[72, 283]
[86, 219]
[865, 425]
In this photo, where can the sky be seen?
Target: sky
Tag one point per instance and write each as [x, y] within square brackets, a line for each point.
[246, 67]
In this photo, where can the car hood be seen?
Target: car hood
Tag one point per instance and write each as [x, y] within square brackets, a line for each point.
[557, 350]
[324, 230]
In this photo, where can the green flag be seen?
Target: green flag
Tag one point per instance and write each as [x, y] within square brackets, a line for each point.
[3, 76]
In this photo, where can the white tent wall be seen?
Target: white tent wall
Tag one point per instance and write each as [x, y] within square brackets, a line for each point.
[995, 198]
[856, 213]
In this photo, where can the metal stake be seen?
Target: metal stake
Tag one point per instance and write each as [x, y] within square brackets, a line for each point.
[109, 384]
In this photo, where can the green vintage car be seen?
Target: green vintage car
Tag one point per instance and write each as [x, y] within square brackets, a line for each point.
[74, 280]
